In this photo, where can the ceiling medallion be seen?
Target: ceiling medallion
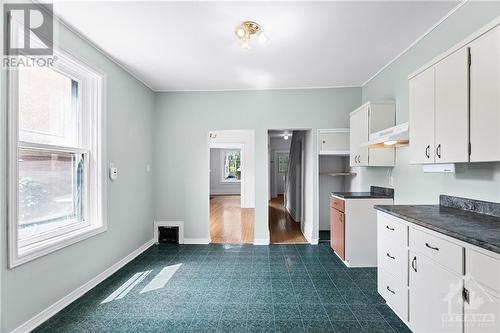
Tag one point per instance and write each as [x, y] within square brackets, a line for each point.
[248, 29]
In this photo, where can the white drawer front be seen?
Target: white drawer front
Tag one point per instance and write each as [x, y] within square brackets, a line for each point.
[390, 230]
[393, 258]
[394, 291]
[484, 269]
[443, 252]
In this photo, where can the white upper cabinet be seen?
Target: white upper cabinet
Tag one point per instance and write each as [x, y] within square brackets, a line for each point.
[359, 135]
[452, 108]
[446, 126]
[333, 141]
[367, 119]
[422, 118]
[485, 97]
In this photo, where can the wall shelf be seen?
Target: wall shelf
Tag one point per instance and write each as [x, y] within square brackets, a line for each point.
[335, 174]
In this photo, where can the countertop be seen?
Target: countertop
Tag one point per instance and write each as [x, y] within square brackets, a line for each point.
[376, 192]
[361, 195]
[471, 227]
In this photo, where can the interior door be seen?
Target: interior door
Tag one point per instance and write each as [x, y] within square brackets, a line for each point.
[452, 108]
[337, 230]
[485, 98]
[435, 300]
[421, 90]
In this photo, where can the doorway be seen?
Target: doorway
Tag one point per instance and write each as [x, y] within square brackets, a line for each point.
[286, 186]
[231, 205]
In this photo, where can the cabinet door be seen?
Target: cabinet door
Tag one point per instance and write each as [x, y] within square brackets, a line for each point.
[421, 90]
[358, 136]
[482, 309]
[334, 142]
[435, 300]
[485, 98]
[452, 108]
[337, 230]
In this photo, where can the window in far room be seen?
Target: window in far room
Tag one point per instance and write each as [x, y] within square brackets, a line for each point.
[282, 164]
[231, 166]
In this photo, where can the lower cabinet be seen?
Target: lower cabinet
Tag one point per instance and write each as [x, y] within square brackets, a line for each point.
[435, 297]
[337, 238]
[436, 283]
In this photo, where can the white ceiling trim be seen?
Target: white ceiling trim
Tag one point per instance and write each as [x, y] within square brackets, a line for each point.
[135, 76]
[258, 89]
[416, 41]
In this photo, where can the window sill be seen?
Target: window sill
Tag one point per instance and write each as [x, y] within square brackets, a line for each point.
[229, 182]
[40, 249]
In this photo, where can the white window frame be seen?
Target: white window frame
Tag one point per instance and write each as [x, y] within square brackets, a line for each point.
[92, 89]
[222, 164]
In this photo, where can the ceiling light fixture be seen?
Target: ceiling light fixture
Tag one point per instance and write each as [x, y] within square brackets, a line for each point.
[247, 30]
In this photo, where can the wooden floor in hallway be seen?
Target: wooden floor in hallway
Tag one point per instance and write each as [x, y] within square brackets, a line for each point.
[282, 227]
[229, 223]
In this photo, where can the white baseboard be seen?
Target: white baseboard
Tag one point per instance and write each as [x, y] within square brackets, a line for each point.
[196, 240]
[43, 316]
[261, 241]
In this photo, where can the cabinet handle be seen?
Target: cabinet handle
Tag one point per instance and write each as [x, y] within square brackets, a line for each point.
[431, 247]
[438, 151]
[390, 256]
[391, 291]
[391, 229]
[414, 263]
[428, 151]
[324, 141]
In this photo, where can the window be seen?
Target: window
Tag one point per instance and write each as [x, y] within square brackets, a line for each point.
[282, 163]
[231, 166]
[56, 178]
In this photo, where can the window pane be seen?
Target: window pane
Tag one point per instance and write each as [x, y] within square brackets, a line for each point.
[48, 111]
[282, 164]
[232, 166]
[51, 191]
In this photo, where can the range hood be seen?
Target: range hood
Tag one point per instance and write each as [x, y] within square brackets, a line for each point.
[396, 136]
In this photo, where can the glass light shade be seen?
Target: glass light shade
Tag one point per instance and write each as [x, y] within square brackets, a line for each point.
[262, 38]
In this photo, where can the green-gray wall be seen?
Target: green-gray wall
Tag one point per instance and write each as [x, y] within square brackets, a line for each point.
[30, 288]
[478, 180]
[182, 123]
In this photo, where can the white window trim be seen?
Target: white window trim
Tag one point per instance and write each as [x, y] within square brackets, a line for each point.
[94, 90]
[222, 163]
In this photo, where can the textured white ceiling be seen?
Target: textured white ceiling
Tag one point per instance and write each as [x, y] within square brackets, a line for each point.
[192, 46]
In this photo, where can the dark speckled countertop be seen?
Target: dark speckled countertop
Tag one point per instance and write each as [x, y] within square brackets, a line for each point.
[457, 218]
[376, 192]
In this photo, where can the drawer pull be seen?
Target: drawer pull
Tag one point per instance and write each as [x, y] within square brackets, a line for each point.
[432, 247]
[390, 256]
[414, 263]
[391, 291]
[391, 229]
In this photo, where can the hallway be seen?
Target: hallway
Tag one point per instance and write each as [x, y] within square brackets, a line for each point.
[229, 223]
[282, 227]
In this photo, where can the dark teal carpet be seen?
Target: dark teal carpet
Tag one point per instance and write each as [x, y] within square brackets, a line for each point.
[232, 288]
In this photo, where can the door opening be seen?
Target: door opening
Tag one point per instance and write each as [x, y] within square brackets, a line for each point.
[286, 186]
